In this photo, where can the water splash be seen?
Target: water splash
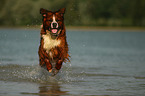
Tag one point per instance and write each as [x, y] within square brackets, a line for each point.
[36, 74]
[21, 73]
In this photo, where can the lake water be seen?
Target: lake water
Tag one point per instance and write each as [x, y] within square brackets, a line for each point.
[103, 63]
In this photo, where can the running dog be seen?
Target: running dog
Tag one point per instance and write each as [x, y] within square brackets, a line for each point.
[53, 49]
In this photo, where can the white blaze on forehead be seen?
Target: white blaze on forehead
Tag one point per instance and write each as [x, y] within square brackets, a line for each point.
[54, 21]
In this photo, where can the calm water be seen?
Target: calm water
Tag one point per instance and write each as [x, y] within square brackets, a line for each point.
[102, 63]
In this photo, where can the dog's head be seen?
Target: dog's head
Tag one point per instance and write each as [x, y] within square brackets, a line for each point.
[53, 21]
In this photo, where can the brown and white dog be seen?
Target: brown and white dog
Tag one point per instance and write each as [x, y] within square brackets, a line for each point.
[53, 49]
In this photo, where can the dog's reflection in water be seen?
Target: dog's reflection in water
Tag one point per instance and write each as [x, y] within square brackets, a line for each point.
[51, 90]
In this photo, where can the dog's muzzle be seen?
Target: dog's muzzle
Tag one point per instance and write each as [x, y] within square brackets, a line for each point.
[54, 27]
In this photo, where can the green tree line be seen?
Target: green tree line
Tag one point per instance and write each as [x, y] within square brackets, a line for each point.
[78, 12]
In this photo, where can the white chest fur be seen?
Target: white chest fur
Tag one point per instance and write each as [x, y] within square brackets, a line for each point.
[49, 42]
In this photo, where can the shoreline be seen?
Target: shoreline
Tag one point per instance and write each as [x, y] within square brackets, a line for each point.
[106, 28]
[83, 28]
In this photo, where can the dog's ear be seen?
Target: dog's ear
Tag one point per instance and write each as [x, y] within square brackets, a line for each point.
[43, 12]
[62, 11]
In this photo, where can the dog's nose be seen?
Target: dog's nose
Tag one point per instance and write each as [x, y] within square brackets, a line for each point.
[54, 25]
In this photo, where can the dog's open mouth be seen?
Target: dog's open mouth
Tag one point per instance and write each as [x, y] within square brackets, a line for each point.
[54, 31]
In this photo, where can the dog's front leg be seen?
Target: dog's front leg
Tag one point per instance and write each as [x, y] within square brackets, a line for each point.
[48, 64]
[58, 64]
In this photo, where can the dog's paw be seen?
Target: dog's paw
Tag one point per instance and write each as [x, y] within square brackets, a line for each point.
[53, 71]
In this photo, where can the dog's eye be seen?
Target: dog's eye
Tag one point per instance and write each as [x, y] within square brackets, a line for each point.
[58, 20]
[49, 20]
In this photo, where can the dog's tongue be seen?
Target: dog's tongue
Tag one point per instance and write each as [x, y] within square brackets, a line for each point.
[54, 30]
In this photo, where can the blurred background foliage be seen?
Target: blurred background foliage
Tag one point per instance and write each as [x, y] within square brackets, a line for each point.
[78, 12]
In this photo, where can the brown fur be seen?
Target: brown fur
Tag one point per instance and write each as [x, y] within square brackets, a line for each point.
[59, 53]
